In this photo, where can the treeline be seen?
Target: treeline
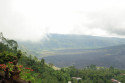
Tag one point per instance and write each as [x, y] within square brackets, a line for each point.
[93, 74]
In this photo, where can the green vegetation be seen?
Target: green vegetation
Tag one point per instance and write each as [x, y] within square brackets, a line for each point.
[37, 71]
[8, 49]
[31, 68]
[43, 73]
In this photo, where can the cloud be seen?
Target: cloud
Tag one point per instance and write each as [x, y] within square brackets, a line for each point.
[33, 19]
[15, 25]
[109, 21]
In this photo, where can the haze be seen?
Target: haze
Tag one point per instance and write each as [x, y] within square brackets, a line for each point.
[33, 19]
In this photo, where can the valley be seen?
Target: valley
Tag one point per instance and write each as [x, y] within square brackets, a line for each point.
[78, 50]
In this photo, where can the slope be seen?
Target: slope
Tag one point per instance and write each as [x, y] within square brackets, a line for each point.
[108, 56]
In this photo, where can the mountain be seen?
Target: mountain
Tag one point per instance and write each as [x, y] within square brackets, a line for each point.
[108, 56]
[78, 50]
[65, 41]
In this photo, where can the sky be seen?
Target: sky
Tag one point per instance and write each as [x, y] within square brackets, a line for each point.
[33, 19]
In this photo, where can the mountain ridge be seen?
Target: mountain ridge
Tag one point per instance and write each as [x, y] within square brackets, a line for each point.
[64, 41]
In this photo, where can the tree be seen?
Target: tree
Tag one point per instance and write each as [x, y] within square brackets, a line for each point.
[42, 62]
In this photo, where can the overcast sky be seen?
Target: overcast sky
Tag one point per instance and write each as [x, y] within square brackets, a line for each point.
[32, 19]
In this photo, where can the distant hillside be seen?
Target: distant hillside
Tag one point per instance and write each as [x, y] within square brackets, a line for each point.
[61, 41]
[109, 56]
